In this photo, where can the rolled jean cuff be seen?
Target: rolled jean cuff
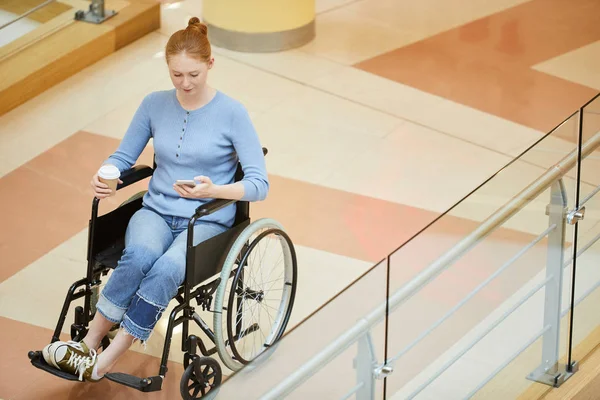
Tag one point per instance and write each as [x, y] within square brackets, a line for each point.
[135, 330]
[141, 317]
[110, 310]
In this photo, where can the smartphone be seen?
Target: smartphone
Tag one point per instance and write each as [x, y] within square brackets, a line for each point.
[185, 182]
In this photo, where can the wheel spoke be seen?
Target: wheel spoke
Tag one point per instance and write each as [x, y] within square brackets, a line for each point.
[267, 269]
[197, 390]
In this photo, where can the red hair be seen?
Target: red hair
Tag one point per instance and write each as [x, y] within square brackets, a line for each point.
[192, 40]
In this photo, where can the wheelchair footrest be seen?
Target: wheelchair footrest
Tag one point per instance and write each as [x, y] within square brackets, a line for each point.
[37, 360]
[152, 384]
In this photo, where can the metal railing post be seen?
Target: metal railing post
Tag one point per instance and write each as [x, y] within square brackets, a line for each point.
[549, 371]
[96, 13]
[365, 364]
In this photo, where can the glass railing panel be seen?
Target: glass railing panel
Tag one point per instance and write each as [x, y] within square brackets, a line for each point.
[478, 301]
[487, 303]
[30, 21]
[23, 21]
[344, 373]
[586, 319]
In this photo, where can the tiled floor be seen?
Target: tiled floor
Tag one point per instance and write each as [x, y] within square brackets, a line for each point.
[395, 112]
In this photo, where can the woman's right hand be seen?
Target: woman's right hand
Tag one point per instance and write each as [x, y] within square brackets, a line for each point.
[101, 190]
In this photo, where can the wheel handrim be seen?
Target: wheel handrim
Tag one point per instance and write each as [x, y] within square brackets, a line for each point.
[261, 302]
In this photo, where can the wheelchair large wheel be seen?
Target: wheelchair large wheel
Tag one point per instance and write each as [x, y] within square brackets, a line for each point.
[254, 300]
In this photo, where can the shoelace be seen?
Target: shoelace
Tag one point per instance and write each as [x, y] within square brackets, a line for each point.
[81, 363]
[77, 345]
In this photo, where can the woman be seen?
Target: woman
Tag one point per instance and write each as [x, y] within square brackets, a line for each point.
[200, 133]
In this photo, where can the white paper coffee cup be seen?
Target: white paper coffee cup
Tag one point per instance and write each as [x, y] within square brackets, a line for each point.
[109, 174]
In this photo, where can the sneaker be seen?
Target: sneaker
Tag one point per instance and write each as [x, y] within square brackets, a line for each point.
[69, 359]
[50, 351]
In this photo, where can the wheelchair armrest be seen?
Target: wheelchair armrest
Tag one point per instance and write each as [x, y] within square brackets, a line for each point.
[134, 175]
[212, 206]
[215, 205]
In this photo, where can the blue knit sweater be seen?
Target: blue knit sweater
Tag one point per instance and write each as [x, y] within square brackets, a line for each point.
[208, 141]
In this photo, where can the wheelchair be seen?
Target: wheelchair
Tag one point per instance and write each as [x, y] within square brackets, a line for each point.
[237, 269]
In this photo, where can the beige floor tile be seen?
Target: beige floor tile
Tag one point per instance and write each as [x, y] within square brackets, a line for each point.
[304, 149]
[382, 94]
[347, 38]
[364, 29]
[334, 114]
[580, 66]
[174, 17]
[429, 110]
[397, 170]
[481, 128]
[48, 279]
[293, 64]
[192, 6]
[426, 18]
[322, 6]
[116, 122]
[257, 90]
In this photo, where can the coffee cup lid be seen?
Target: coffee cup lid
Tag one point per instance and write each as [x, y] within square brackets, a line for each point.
[109, 171]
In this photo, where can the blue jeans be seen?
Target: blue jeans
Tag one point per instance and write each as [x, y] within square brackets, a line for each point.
[150, 271]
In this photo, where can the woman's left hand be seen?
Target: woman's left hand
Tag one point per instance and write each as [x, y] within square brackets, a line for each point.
[204, 189]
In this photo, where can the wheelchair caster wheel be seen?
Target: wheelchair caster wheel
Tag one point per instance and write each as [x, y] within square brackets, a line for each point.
[201, 379]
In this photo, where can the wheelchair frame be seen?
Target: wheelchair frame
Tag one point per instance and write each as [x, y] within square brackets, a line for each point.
[211, 253]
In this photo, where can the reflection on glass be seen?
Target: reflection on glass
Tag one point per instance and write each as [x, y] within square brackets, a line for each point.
[487, 305]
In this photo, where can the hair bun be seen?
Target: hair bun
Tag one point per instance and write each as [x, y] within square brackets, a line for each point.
[194, 23]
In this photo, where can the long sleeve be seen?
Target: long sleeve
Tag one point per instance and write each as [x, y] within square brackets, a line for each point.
[135, 140]
[210, 140]
[249, 150]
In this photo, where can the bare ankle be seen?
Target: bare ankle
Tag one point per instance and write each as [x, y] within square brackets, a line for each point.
[91, 344]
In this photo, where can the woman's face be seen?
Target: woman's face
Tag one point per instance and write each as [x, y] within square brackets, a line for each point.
[188, 74]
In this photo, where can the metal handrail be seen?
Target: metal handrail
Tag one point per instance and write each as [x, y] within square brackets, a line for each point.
[508, 361]
[403, 294]
[473, 293]
[34, 9]
[490, 328]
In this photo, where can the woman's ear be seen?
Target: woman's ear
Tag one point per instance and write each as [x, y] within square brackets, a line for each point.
[211, 63]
